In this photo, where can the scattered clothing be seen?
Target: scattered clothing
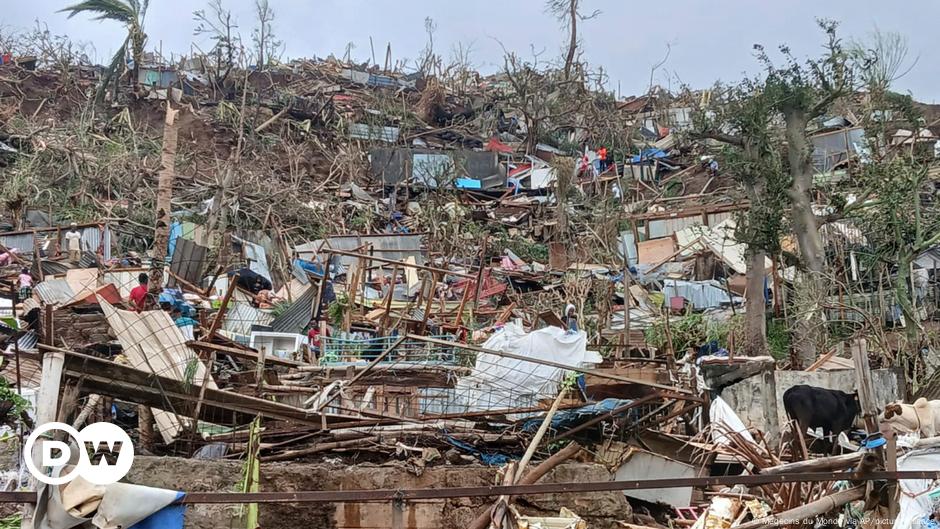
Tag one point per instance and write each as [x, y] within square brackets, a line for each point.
[8, 256]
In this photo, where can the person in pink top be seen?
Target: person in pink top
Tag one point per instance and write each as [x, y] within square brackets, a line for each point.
[26, 284]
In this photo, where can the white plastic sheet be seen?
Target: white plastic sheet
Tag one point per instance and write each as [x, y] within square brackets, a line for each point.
[115, 506]
[915, 498]
[499, 383]
[721, 414]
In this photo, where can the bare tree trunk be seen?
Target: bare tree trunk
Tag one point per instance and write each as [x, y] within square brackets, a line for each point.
[566, 170]
[573, 43]
[809, 316]
[755, 323]
[145, 433]
[161, 232]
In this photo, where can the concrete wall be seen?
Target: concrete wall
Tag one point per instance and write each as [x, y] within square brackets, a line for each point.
[758, 400]
[600, 509]
[888, 384]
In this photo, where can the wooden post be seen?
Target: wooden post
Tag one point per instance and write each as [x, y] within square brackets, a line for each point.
[428, 302]
[318, 308]
[479, 285]
[259, 370]
[626, 303]
[37, 258]
[866, 391]
[387, 305]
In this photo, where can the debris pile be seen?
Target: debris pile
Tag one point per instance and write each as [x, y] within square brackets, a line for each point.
[337, 264]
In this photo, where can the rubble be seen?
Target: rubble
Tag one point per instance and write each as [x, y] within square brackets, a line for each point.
[401, 281]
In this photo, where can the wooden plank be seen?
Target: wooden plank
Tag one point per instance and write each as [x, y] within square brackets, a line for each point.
[656, 250]
[105, 377]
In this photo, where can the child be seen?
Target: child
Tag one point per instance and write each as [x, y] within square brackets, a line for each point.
[26, 284]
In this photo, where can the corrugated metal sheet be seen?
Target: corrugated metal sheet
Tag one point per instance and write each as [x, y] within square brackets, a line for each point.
[666, 227]
[23, 243]
[54, 291]
[388, 246]
[362, 131]
[153, 343]
[188, 261]
[298, 315]
[256, 256]
[240, 316]
[50, 268]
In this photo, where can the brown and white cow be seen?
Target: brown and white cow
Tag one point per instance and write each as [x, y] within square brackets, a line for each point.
[922, 417]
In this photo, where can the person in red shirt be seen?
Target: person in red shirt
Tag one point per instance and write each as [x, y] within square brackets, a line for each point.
[139, 293]
[314, 341]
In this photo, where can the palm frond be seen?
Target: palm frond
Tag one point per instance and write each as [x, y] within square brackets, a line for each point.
[117, 65]
[105, 9]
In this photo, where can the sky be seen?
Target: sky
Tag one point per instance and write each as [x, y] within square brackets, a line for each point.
[702, 41]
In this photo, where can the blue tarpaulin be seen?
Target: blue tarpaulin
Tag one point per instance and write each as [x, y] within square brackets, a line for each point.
[468, 183]
[648, 154]
[169, 517]
[492, 459]
[567, 419]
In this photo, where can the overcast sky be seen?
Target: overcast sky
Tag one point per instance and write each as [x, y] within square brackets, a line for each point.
[709, 39]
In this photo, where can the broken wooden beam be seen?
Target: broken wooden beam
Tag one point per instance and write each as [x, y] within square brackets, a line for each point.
[810, 510]
[840, 462]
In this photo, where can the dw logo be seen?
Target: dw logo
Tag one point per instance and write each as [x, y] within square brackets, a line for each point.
[105, 453]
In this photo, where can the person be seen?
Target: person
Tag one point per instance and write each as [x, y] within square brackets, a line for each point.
[73, 240]
[314, 339]
[26, 284]
[186, 325]
[139, 293]
[602, 156]
[571, 319]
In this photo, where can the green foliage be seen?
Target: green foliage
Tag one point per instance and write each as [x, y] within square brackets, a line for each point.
[337, 310]
[527, 250]
[9, 394]
[13, 521]
[778, 338]
[362, 221]
[688, 331]
[189, 374]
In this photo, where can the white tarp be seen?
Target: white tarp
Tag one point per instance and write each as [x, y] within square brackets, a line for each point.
[499, 383]
[721, 414]
[915, 498]
[113, 506]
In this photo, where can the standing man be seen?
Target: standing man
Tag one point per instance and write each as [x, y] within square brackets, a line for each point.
[73, 242]
[139, 293]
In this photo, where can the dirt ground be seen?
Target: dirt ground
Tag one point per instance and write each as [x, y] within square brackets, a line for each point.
[600, 509]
